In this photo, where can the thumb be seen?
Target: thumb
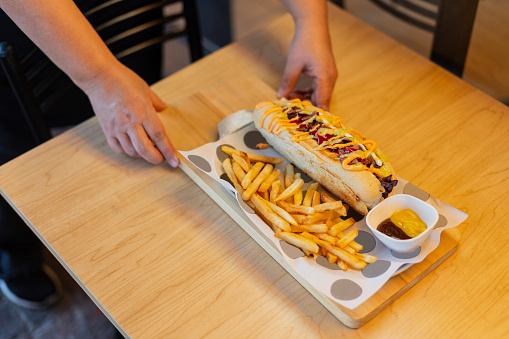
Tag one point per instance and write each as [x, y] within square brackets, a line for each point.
[322, 92]
[290, 78]
[159, 105]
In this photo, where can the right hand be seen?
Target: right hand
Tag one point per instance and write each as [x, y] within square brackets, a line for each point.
[310, 54]
[127, 109]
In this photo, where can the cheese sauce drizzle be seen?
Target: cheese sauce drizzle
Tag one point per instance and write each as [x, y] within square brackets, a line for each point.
[354, 152]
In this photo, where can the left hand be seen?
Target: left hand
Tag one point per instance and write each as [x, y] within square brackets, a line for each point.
[127, 109]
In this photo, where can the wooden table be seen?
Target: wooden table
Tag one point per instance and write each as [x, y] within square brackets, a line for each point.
[161, 259]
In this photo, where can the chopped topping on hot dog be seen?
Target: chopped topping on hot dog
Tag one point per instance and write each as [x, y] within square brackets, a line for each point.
[355, 152]
[261, 104]
[388, 184]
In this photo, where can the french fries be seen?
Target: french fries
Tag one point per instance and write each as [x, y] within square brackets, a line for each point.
[265, 195]
[308, 198]
[326, 197]
[298, 241]
[366, 257]
[349, 259]
[324, 236]
[356, 246]
[242, 161]
[253, 157]
[276, 185]
[316, 199]
[268, 182]
[291, 190]
[315, 218]
[345, 240]
[253, 187]
[299, 218]
[331, 257]
[317, 228]
[253, 172]
[227, 165]
[282, 213]
[289, 175]
[238, 171]
[342, 265]
[327, 206]
[268, 214]
[297, 197]
[291, 208]
[229, 172]
[341, 226]
[311, 222]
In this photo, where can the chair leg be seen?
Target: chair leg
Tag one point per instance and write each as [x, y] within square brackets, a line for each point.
[339, 3]
[452, 34]
[24, 95]
[193, 29]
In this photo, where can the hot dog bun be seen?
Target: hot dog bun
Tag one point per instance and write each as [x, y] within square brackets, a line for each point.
[360, 189]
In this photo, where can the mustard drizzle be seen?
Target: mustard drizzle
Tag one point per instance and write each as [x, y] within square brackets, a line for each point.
[330, 124]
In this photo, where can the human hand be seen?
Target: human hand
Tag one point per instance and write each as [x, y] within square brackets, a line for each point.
[126, 109]
[310, 54]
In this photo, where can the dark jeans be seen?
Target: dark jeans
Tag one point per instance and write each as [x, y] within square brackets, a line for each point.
[20, 250]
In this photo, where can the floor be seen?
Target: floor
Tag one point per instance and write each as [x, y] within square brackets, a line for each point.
[75, 316]
[487, 68]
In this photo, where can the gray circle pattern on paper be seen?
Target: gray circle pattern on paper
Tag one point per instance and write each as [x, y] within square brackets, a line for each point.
[411, 189]
[402, 268]
[222, 156]
[244, 206]
[410, 255]
[200, 163]
[345, 289]
[290, 250]
[253, 138]
[225, 177]
[442, 221]
[355, 215]
[322, 261]
[376, 269]
[367, 240]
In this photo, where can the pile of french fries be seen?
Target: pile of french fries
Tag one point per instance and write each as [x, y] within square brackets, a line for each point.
[310, 221]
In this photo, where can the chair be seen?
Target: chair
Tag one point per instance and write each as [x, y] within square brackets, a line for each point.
[450, 21]
[128, 27]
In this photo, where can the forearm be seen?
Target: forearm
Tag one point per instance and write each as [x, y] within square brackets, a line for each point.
[124, 104]
[309, 15]
[310, 51]
[59, 29]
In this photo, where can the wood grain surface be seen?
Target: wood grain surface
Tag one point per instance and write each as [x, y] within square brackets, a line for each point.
[213, 99]
[161, 259]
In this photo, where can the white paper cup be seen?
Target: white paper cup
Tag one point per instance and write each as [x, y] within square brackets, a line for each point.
[399, 202]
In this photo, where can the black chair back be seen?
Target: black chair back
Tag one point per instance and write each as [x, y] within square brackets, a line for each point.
[450, 21]
[128, 27]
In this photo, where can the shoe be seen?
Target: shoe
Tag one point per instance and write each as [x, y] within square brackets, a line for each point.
[36, 290]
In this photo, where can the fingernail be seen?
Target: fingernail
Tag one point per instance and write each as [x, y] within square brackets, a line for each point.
[174, 163]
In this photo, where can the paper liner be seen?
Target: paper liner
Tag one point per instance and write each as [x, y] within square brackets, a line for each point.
[350, 288]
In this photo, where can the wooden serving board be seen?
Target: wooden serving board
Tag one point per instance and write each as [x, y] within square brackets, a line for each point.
[225, 98]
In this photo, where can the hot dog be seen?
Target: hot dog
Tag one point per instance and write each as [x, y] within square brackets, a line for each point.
[328, 151]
